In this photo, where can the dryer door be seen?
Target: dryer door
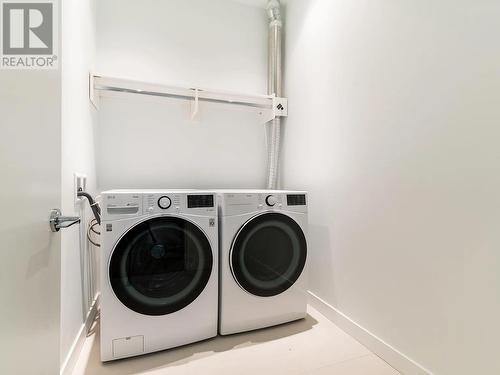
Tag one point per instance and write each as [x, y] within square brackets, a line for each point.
[268, 254]
[161, 265]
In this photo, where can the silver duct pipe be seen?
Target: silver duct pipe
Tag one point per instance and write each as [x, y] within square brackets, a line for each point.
[274, 87]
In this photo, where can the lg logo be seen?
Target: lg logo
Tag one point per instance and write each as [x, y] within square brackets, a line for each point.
[28, 34]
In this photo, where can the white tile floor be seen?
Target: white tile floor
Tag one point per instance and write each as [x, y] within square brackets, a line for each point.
[313, 346]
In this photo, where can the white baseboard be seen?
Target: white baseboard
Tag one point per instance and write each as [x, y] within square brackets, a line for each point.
[74, 352]
[391, 355]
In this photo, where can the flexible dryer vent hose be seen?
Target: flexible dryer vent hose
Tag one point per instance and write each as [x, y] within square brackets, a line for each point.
[274, 87]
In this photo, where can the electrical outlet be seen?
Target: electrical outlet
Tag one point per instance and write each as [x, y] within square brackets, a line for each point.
[80, 184]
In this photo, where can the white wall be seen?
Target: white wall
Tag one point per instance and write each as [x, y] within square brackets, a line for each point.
[394, 130]
[78, 118]
[30, 155]
[152, 143]
[30, 187]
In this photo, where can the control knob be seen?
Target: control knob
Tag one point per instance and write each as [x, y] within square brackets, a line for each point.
[271, 200]
[164, 202]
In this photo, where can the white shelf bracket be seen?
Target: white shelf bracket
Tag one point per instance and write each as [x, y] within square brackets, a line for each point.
[195, 104]
[266, 115]
[93, 93]
[280, 107]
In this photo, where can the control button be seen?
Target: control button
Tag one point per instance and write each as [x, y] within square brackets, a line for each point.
[150, 209]
[164, 202]
[271, 200]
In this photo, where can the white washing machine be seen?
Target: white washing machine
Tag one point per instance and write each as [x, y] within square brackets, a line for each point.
[263, 252]
[159, 270]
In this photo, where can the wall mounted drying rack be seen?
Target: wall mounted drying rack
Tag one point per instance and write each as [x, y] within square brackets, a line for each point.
[267, 106]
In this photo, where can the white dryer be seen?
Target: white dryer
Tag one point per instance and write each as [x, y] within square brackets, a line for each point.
[263, 252]
[159, 270]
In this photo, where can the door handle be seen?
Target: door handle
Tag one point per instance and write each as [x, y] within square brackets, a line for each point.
[57, 221]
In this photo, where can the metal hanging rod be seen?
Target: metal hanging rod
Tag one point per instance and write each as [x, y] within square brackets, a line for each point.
[268, 106]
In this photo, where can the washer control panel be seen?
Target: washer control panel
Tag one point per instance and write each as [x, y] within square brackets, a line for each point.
[161, 203]
[117, 204]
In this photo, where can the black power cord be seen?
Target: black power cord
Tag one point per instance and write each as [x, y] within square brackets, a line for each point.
[92, 224]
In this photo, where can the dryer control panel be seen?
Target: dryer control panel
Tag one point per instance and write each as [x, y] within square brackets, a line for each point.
[241, 202]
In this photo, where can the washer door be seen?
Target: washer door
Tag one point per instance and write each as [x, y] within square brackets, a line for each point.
[268, 254]
[161, 265]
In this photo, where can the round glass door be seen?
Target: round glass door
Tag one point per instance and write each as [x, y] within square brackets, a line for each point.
[161, 265]
[268, 254]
